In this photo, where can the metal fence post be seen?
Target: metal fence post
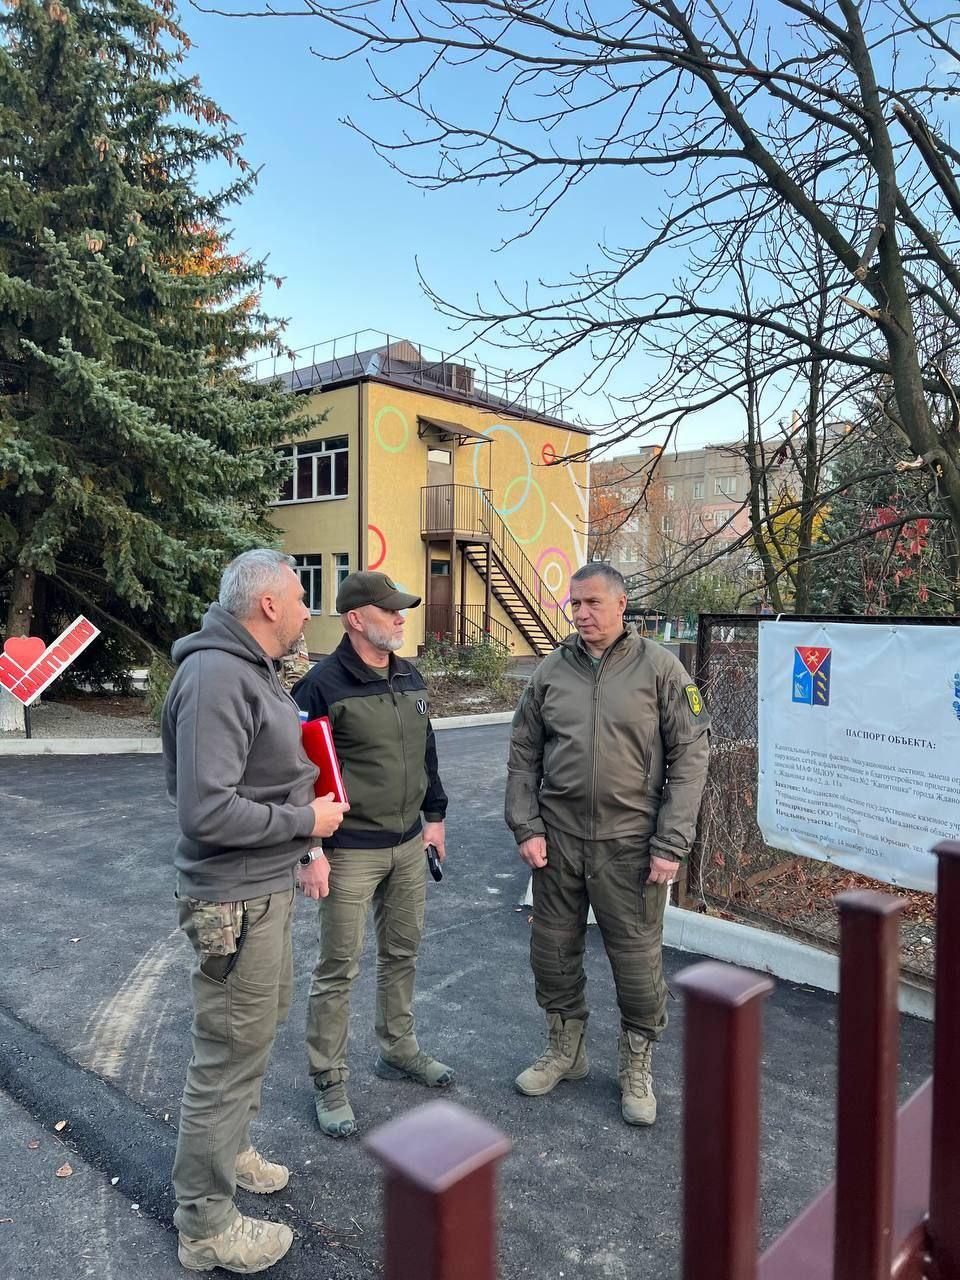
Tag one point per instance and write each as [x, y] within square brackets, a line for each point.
[867, 1084]
[944, 1223]
[721, 1121]
[439, 1195]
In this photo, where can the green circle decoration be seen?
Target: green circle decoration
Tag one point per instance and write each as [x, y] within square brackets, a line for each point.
[532, 488]
[391, 448]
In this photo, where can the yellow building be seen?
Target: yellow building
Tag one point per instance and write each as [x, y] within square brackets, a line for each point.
[447, 476]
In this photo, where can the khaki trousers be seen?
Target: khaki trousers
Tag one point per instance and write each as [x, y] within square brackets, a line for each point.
[239, 1000]
[611, 877]
[394, 881]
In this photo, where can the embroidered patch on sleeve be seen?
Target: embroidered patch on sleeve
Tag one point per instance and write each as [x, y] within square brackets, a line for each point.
[694, 699]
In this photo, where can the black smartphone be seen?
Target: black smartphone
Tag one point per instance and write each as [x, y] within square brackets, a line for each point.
[433, 862]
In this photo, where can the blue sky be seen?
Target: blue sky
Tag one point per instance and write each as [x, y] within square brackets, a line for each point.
[346, 231]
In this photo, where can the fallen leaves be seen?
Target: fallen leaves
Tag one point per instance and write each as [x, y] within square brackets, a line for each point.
[33, 1145]
[64, 1171]
[60, 1126]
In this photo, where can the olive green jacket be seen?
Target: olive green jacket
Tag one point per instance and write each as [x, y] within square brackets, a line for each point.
[611, 750]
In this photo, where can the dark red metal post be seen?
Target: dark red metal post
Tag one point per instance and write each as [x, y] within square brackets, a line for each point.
[440, 1197]
[944, 1223]
[721, 1121]
[867, 1084]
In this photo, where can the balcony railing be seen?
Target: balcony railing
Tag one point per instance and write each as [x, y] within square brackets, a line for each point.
[454, 508]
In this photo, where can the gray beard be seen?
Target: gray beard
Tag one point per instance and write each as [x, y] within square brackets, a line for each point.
[385, 641]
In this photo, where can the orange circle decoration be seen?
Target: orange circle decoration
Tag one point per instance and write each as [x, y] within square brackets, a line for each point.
[375, 564]
[548, 454]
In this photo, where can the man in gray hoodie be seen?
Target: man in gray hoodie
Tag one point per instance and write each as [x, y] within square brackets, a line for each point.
[248, 819]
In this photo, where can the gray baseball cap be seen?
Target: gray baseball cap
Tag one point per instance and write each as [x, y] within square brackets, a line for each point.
[367, 587]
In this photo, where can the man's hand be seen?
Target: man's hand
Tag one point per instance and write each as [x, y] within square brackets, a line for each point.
[434, 833]
[327, 814]
[534, 852]
[314, 878]
[662, 871]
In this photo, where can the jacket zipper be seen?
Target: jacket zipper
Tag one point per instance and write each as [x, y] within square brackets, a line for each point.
[403, 754]
[597, 680]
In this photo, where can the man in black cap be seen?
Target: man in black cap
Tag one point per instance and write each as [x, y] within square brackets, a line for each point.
[377, 705]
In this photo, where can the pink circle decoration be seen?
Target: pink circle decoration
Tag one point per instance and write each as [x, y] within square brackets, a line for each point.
[545, 554]
[548, 454]
[372, 528]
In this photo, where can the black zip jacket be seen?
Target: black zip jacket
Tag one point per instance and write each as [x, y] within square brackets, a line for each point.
[385, 745]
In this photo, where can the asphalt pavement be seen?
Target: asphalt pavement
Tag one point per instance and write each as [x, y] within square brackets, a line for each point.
[94, 1030]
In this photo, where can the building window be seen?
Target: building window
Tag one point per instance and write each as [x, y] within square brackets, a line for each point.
[721, 517]
[318, 469]
[442, 456]
[725, 486]
[698, 489]
[666, 524]
[310, 569]
[670, 492]
[631, 524]
[341, 567]
[440, 568]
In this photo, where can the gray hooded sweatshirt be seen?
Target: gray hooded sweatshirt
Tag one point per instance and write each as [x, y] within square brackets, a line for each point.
[235, 766]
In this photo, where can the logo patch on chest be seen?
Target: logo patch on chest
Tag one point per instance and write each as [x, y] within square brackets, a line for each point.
[422, 706]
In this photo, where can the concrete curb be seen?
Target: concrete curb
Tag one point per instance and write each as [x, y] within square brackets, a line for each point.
[79, 746]
[772, 953]
[764, 951]
[473, 722]
[151, 746]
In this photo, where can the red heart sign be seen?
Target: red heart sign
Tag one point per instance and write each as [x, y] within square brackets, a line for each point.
[24, 650]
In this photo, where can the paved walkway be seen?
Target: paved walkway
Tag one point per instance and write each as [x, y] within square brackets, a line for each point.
[91, 960]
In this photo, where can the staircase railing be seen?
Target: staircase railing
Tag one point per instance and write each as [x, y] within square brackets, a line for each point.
[468, 625]
[538, 597]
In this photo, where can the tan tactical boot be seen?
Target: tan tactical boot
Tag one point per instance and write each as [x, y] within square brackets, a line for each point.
[248, 1245]
[334, 1112]
[637, 1103]
[421, 1068]
[565, 1058]
[259, 1175]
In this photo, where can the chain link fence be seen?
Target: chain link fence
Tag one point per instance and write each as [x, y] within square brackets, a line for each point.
[733, 872]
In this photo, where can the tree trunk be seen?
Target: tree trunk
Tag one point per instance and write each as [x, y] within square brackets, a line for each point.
[808, 498]
[19, 623]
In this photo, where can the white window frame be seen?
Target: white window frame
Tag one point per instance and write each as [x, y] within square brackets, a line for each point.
[730, 491]
[329, 447]
[670, 492]
[341, 570]
[309, 566]
[698, 489]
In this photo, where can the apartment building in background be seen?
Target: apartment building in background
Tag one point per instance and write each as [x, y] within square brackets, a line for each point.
[694, 493]
[443, 473]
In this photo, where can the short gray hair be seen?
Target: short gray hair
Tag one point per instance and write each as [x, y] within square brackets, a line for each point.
[600, 569]
[249, 576]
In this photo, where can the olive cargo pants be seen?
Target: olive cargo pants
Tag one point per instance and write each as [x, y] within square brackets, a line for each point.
[394, 881]
[611, 877]
[240, 997]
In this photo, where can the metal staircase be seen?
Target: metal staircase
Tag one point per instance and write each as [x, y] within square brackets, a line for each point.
[468, 514]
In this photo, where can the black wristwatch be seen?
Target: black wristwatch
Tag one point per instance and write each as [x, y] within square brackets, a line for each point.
[311, 856]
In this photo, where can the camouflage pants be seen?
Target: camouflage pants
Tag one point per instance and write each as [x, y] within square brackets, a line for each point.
[610, 876]
[242, 985]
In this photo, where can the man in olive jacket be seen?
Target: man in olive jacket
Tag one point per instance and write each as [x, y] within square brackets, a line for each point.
[608, 760]
[377, 705]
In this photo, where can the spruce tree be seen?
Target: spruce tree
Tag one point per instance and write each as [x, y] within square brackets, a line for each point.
[134, 455]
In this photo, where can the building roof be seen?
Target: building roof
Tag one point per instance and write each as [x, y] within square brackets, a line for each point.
[402, 363]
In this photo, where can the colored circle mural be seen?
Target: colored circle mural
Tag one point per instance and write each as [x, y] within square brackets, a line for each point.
[548, 455]
[389, 410]
[526, 479]
[554, 569]
[374, 562]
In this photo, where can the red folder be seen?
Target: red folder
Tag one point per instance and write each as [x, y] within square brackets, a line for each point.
[318, 744]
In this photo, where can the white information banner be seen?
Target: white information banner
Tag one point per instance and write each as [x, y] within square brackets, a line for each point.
[859, 744]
